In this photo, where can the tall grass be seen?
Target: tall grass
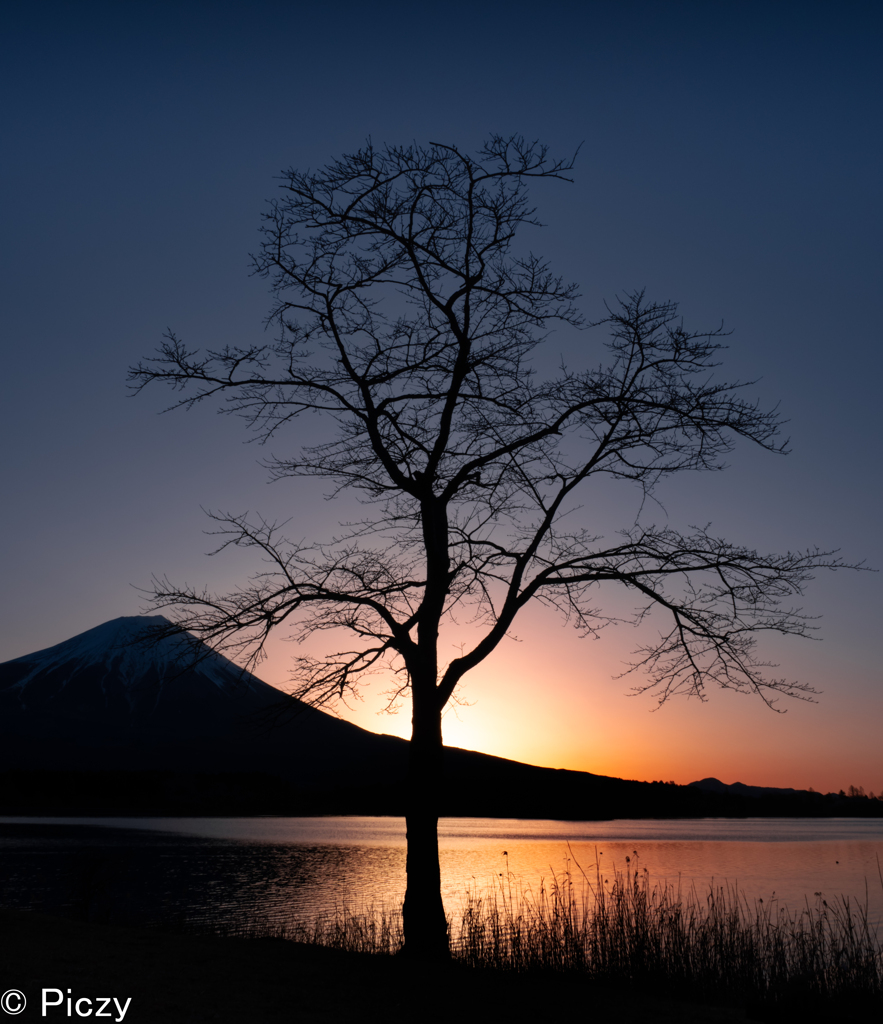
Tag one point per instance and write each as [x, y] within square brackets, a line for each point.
[624, 929]
[373, 930]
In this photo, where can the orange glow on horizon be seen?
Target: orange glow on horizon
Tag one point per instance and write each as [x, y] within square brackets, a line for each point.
[571, 712]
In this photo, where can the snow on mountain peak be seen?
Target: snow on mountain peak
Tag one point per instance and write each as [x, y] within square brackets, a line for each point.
[115, 647]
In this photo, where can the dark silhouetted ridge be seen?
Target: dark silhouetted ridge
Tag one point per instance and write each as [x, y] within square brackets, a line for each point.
[107, 723]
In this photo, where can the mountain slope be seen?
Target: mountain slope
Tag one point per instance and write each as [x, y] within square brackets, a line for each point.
[103, 724]
[104, 701]
[89, 712]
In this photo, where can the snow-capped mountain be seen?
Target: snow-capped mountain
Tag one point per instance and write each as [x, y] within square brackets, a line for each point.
[104, 704]
[114, 667]
[106, 700]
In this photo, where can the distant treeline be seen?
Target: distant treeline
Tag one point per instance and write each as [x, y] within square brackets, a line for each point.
[476, 785]
[689, 801]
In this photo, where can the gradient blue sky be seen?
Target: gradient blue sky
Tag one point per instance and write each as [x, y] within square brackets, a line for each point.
[731, 160]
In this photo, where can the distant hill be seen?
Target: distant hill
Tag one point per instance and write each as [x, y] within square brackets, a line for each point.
[105, 723]
[739, 789]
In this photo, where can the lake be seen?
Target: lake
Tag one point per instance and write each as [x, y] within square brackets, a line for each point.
[270, 870]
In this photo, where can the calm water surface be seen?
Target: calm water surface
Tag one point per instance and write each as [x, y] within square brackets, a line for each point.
[241, 870]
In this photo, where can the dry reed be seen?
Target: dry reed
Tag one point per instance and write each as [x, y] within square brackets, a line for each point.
[629, 930]
[625, 929]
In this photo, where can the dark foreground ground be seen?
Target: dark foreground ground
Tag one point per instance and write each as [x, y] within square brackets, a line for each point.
[175, 978]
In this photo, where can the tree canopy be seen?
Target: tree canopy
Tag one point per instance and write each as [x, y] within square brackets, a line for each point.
[410, 318]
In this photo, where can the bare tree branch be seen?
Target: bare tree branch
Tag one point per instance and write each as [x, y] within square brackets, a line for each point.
[406, 314]
[415, 321]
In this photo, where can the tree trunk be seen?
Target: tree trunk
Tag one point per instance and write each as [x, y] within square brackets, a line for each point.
[425, 924]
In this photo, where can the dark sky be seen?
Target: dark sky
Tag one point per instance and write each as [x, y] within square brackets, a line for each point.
[730, 160]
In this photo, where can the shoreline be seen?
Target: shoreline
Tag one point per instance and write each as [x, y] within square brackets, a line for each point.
[181, 978]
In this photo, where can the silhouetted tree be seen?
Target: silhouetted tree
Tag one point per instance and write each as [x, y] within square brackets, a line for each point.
[407, 316]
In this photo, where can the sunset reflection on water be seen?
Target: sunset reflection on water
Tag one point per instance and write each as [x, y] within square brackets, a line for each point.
[238, 871]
